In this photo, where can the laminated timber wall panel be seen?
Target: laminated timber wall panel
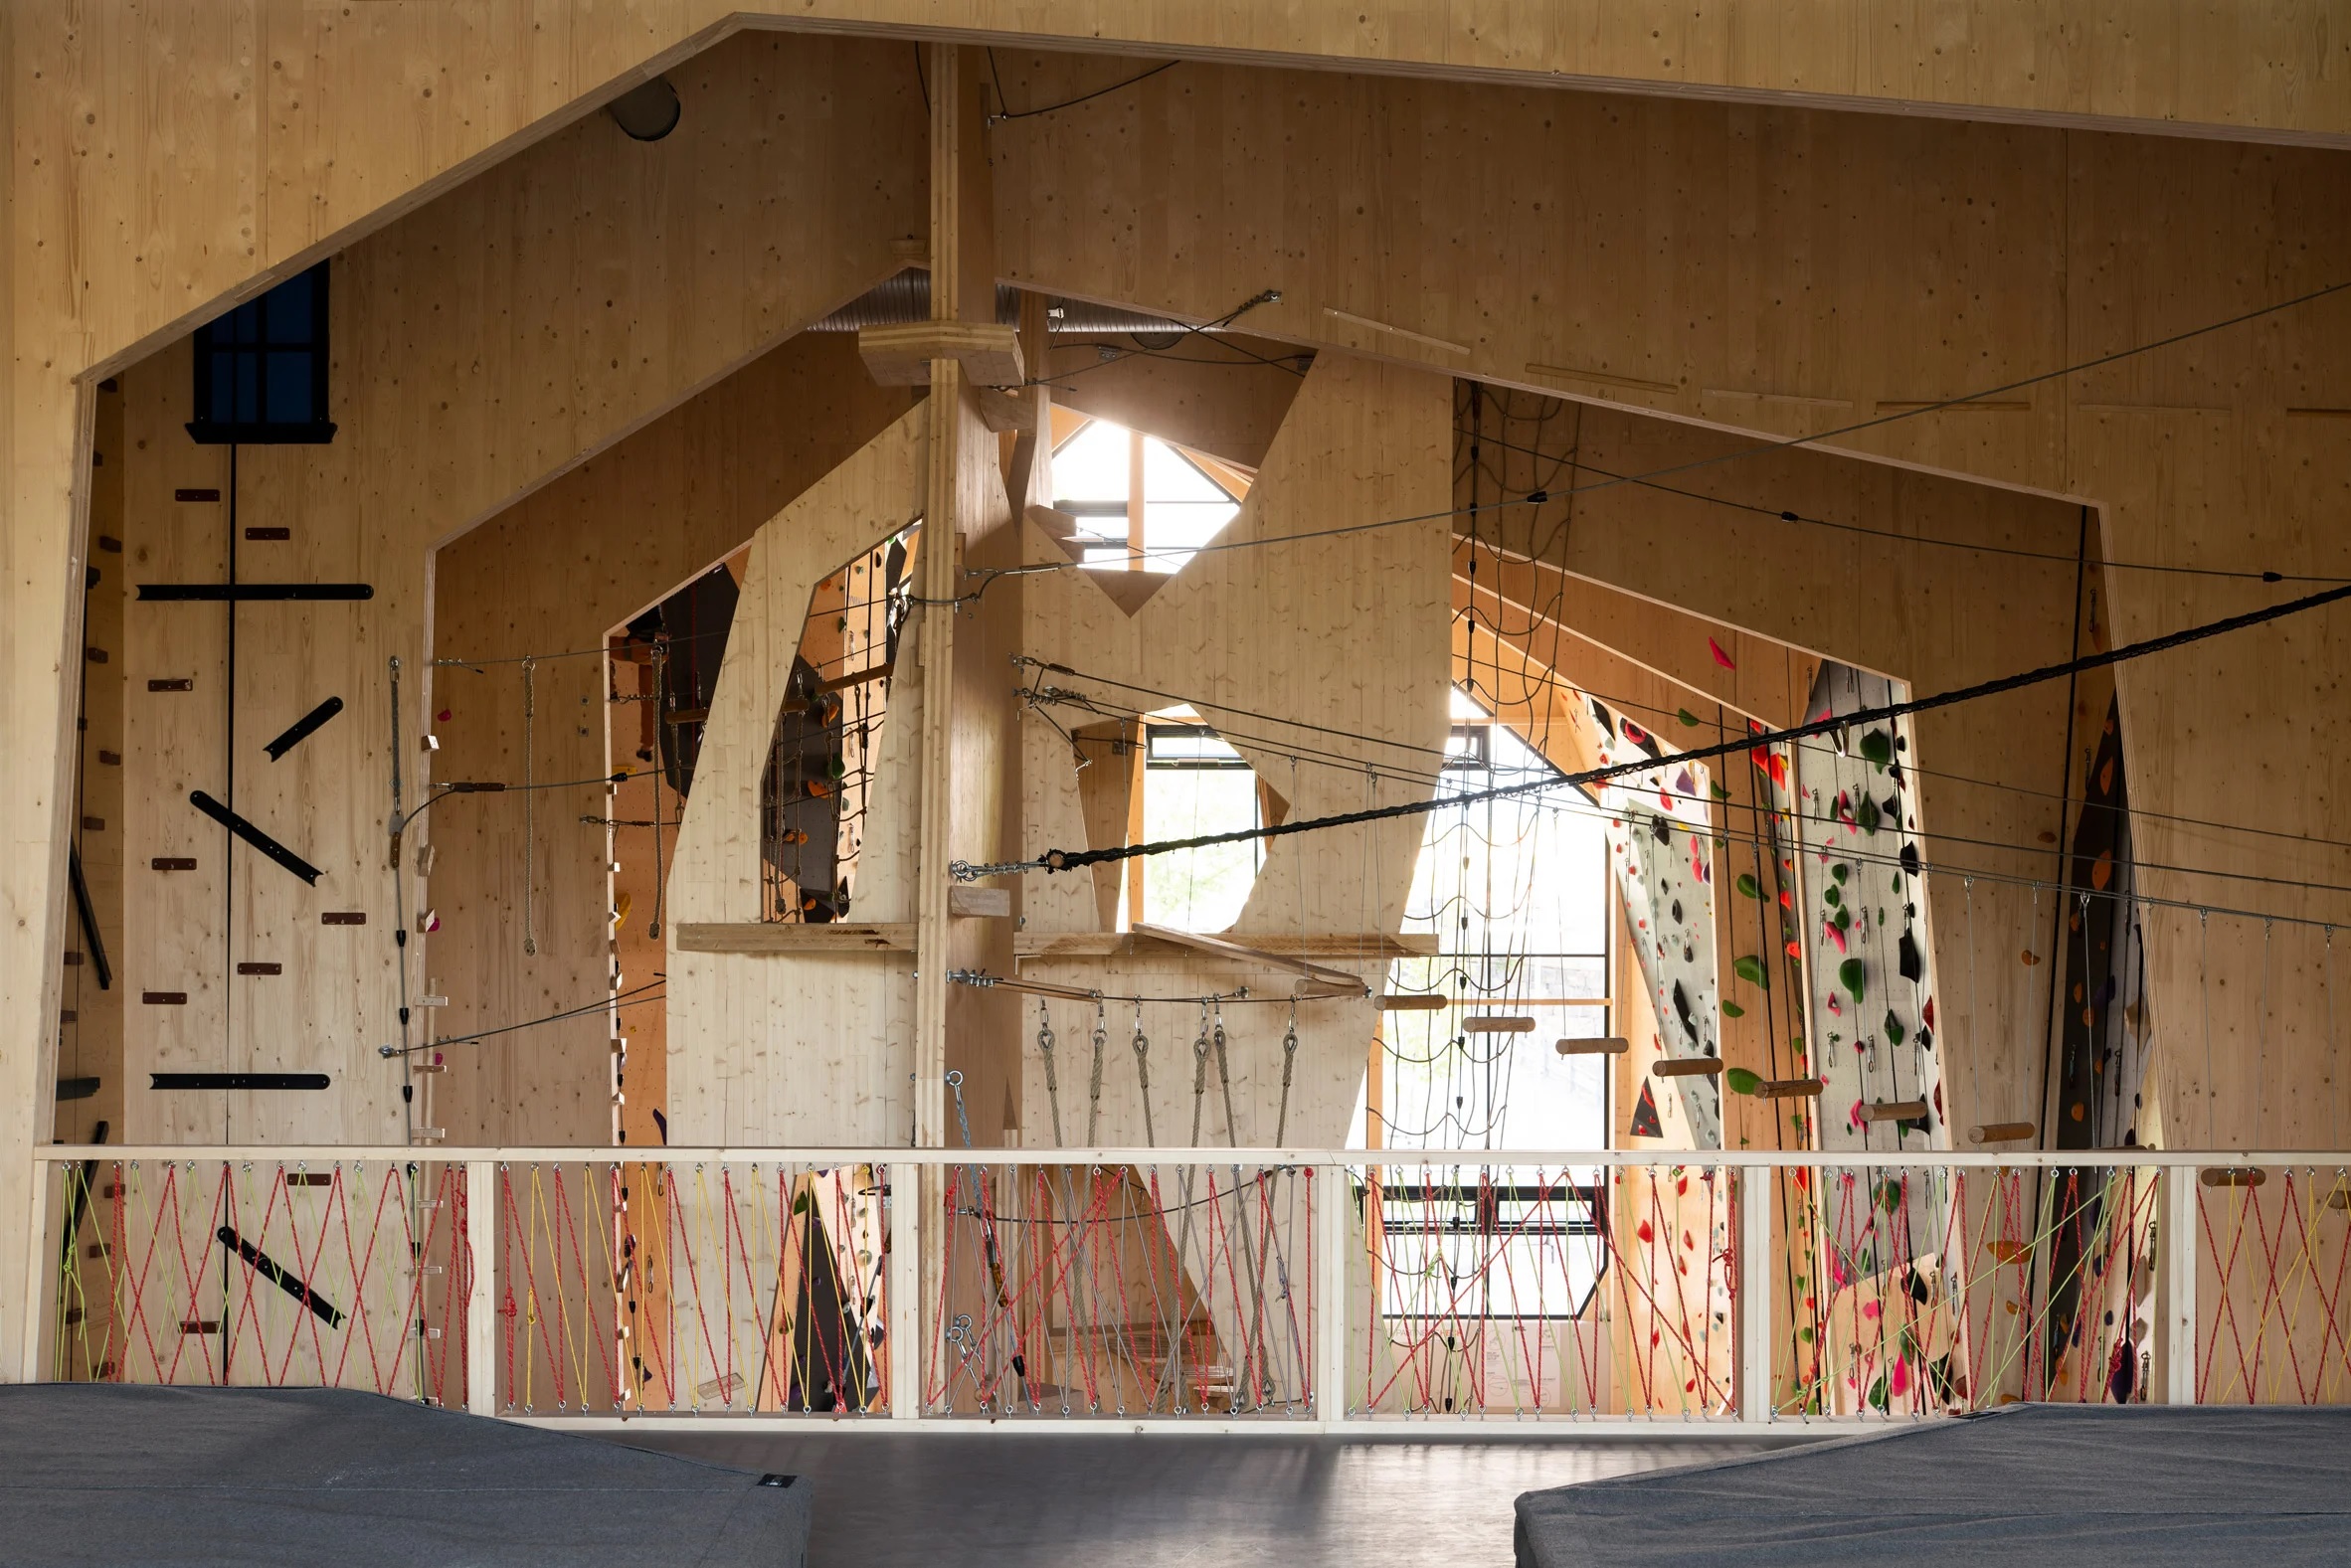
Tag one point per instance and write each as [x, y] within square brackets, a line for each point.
[484, 344]
[1791, 271]
[800, 1047]
[1348, 633]
[556, 572]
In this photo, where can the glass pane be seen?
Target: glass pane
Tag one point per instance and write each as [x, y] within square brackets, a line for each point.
[290, 310]
[1092, 466]
[248, 388]
[1182, 507]
[289, 399]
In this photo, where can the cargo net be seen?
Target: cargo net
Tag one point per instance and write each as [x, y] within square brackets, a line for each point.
[1506, 1291]
[262, 1274]
[1124, 1291]
[818, 789]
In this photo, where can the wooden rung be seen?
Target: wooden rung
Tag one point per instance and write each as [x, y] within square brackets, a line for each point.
[310, 1178]
[1788, 1089]
[1499, 1023]
[1894, 1110]
[431, 1135]
[433, 1001]
[2001, 1133]
[427, 1066]
[1400, 1001]
[1686, 1067]
[2234, 1177]
[1595, 1045]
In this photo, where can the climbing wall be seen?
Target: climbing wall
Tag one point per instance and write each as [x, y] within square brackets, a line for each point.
[1873, 1000]
[1660, 843]
[1872, 1027]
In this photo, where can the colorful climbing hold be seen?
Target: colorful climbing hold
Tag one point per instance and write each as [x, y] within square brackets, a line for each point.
[1853, 974]
[1721, 657]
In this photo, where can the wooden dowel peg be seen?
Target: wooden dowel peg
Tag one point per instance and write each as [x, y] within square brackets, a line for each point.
[1788, 1089]
[1686, 1067]
[1894, 1110]
[1595, 1045]
[2235, 1176]
[1395, 1002]
[2001, 1133]
[1498, 1024]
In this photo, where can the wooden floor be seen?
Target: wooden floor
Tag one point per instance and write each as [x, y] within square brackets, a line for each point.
[884, 1502]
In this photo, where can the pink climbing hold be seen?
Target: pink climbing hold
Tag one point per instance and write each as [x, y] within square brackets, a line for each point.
[1721, 657]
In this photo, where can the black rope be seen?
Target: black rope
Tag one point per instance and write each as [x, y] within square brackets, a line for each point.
[1068, 103]
[1071, 859]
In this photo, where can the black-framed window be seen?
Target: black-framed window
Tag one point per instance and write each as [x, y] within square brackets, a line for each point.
[261, 370]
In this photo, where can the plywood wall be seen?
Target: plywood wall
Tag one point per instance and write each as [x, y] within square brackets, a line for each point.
[484, 345]
[1348, 633]
[807, 1046]
[1789, 273]
[554, 574]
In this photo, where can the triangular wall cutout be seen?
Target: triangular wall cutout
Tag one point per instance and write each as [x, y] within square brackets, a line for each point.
[1130, 591]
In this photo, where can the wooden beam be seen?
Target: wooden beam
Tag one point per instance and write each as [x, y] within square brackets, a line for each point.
[1364, 946]
[1322, 981]
[779, 937]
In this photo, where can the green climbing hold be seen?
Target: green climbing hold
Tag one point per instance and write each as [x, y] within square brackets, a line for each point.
[1868, 815]
[1748, 886]
[1720, 792]
[1840, 870]
[1733, 1011]
[1741, 1081]
[1687, 717]
[1748, 967]
[1853, 976]
[1832, 896]
[1878, 747]
[1893, 1028]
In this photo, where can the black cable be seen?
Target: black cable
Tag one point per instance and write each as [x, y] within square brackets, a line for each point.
[1395, 773]
[1788, 515]
[1066, 103]
[1068, 860]
[602, 1004]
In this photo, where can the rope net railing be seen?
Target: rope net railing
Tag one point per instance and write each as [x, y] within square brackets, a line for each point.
[700, 1287]
[257, 1273]
[1511, 1291]
[1168, 1291]
[1229, 1285]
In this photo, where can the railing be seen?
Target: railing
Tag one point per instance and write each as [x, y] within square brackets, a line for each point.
[1196, 1290]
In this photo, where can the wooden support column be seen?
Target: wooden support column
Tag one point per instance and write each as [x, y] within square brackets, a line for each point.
[939, 548]
[967, 704]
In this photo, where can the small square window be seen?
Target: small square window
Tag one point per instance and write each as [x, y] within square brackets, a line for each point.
[261, 370]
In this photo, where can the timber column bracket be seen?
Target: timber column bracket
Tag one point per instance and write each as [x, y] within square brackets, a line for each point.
[902, 355]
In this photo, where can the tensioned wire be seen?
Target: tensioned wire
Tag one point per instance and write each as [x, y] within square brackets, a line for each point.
[1552, 778]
